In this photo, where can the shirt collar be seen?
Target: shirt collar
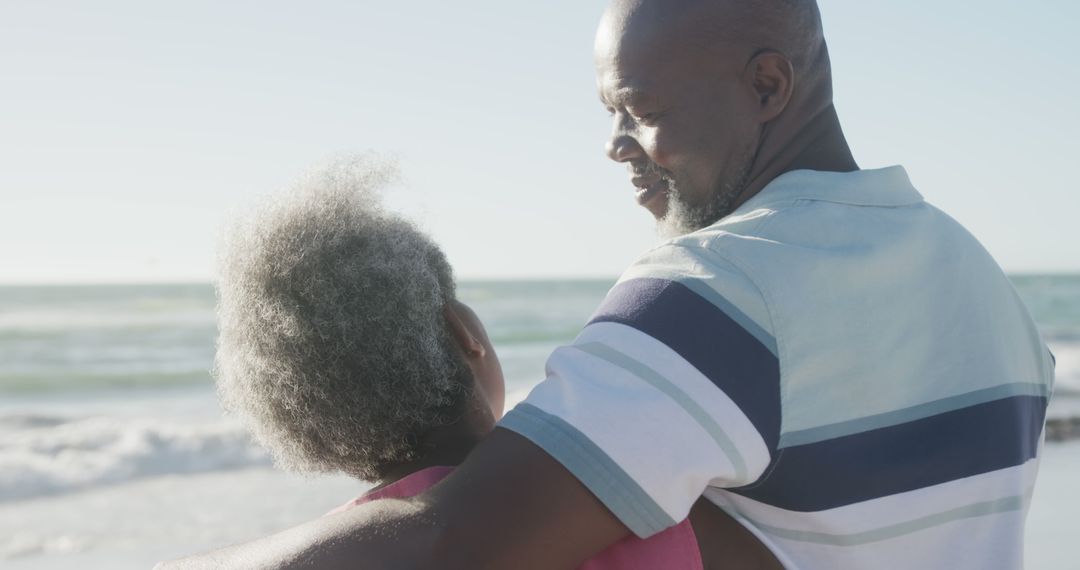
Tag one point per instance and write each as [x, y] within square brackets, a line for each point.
[885, 187]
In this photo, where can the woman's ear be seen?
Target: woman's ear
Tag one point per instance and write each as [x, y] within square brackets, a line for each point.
[772, 77]
[469, 344]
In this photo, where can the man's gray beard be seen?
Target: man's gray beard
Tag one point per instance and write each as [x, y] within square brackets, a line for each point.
[683, 217]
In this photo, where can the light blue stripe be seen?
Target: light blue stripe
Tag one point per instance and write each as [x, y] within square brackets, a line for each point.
[658, 381]
[982, 509]
[897, 417]
[594, 468]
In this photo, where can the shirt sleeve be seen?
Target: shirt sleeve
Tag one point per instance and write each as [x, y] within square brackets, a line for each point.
[672, 386]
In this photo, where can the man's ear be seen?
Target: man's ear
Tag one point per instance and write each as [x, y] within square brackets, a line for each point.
[772, 77]
[469, 344]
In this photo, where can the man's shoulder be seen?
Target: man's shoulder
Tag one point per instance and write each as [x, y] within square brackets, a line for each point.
[697, 270]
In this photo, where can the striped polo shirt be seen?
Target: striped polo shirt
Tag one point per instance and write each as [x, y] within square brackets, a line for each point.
[837, 364]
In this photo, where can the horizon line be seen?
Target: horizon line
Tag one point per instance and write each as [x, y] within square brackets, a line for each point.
[465, 279]
[152, 282]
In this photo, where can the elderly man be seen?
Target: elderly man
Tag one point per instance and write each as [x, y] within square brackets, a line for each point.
[820, 353]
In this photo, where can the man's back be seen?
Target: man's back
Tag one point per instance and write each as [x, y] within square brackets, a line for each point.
[838, 364]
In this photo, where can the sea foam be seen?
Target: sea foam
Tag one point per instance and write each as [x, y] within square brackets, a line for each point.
[1067, 368]
[45, 454]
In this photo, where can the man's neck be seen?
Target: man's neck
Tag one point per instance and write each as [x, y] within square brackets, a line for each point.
[818, 145]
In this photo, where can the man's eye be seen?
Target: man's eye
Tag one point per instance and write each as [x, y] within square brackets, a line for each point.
[646, 118]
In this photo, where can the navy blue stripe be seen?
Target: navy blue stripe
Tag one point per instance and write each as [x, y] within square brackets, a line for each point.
[905, 457]
[728, 355]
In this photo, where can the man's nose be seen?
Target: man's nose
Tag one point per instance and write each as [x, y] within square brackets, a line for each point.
[622, 147]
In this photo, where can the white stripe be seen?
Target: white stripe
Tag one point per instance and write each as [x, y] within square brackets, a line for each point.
[642, 429]
[659, 357]
[991, 542]
[870, 516]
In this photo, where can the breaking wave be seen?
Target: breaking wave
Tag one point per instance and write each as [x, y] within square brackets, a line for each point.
[47, 455]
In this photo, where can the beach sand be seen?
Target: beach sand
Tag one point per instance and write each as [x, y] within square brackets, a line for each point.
[1052, 531]
[153, 519]
[169, 516]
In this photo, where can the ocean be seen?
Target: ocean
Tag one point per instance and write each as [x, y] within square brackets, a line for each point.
[114, 452]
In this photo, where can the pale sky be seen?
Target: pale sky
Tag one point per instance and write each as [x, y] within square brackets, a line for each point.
[130, 131]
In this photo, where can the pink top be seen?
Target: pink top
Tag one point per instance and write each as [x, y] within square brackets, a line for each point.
[673, 549]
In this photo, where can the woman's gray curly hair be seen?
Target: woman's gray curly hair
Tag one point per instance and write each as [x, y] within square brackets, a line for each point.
[333, 345]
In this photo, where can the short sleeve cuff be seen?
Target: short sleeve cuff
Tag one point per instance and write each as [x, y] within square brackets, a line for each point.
[589, 464]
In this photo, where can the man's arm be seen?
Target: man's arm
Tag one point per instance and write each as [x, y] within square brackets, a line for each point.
[510, 505]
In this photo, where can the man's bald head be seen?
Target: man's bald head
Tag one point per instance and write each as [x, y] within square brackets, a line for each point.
[735, 27]
[701, 87]
[791, 27]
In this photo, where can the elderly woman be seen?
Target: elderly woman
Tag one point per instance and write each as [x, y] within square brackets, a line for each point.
[341, 342]
[343, 346]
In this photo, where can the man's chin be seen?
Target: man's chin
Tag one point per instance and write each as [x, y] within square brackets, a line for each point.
[679, 219]
[666, 229]
[673, 223]
[657, 205]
